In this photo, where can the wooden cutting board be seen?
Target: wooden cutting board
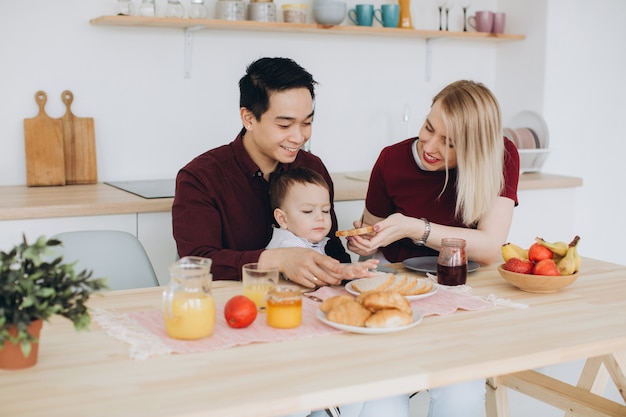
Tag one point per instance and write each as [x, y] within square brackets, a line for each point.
[43, 143]
[80, 145]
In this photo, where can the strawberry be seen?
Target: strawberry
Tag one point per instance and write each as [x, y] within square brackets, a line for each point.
[521, 266]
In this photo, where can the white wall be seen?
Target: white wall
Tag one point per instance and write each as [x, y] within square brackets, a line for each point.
[150, 120]
[585, 109]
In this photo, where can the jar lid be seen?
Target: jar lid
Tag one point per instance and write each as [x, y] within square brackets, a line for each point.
[284, 292]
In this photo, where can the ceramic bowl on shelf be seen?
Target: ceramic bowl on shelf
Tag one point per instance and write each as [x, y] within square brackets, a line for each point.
[537, 283]
[329, 12]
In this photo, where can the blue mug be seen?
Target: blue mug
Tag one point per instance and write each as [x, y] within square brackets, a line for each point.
[388, 15]
[362, 14]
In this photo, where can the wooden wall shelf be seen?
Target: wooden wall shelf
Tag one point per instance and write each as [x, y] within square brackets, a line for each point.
[192, 25]
[248, 25]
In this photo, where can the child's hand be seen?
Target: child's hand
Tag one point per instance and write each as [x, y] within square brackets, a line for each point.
[359, 269]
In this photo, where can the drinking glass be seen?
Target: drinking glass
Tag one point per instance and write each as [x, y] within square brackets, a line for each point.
[257, 280]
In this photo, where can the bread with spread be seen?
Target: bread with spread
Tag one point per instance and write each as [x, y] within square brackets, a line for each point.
[355, 232]
[402, 284]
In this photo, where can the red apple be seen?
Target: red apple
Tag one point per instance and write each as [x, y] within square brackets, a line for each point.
[546, 267]
[537, 252]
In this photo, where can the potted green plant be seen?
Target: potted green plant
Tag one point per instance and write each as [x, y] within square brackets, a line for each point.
[34, 285]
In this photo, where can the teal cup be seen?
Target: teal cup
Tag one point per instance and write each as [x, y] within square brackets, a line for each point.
[362, 14]
[388, 15]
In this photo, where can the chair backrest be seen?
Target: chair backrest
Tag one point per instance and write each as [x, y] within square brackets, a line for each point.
[114, 254]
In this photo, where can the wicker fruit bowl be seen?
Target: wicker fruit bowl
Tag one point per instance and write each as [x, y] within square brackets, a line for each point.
[537, 283]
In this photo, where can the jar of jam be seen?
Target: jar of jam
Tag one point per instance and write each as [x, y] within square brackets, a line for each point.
[284, 307]
[452, 262]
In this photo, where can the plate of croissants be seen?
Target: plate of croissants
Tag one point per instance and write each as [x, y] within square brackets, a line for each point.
[374, 312]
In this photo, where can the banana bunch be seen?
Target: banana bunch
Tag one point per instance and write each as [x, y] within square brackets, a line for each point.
[564, 255]
[570, 262]
[511, 250]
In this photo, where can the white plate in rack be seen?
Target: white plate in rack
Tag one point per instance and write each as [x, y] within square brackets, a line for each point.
[535, 122]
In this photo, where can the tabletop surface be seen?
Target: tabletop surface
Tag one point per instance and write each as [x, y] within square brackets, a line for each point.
[91, 374]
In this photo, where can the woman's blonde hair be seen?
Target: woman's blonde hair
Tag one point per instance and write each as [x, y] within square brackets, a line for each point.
[471, 115]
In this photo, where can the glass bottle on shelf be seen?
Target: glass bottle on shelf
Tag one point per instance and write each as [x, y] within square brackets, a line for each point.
[174, 9]
[124, 8]
[146, 8]
[405, 14]
[198, 10]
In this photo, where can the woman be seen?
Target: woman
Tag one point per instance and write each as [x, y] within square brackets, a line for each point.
[457, 179]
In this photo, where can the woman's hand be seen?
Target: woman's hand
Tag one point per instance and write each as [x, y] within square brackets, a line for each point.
[356, 245]
[304, 266]
[393, 228]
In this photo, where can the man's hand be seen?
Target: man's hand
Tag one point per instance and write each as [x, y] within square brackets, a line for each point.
[304, 266]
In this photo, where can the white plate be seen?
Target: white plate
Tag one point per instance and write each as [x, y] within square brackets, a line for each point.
[417, 318]
[433, 290]
[429, 264]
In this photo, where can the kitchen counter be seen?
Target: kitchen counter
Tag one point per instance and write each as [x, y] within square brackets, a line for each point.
[21, 202]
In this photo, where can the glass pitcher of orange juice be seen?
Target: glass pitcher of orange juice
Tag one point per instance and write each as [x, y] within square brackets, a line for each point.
[188, 306]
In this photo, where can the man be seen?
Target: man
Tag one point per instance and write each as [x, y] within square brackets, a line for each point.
[222, 207]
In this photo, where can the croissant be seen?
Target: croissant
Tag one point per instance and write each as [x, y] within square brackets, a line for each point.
[350, 313]
[330, 303]
[375, 301]
[389, 318]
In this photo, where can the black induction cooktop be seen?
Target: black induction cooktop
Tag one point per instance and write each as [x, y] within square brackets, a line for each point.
[147, 188]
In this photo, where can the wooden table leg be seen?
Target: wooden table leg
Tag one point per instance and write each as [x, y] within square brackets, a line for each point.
[593, 378]
[496, 398]
[616, 365]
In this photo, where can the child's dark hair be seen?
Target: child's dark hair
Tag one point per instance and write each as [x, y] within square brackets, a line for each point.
[280, 184]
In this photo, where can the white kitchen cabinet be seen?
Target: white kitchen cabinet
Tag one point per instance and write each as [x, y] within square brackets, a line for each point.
[154, 230]
[11, 230]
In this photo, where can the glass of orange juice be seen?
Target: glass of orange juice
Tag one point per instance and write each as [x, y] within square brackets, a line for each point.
[257, 280]
[188, 306]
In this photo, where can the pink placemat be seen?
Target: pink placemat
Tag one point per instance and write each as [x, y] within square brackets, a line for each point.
[145, 330]
[442, 303]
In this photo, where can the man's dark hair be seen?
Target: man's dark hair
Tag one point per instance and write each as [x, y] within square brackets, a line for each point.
[267, 75]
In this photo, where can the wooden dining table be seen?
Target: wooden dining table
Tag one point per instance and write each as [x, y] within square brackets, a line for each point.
[91, 373]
